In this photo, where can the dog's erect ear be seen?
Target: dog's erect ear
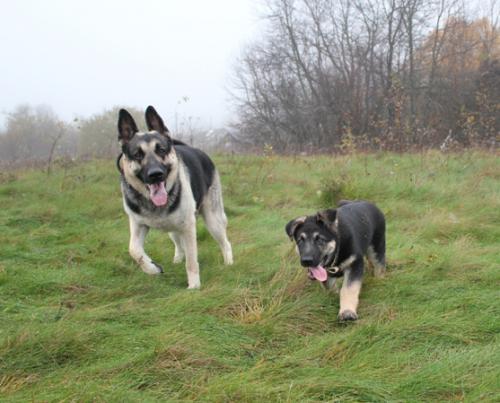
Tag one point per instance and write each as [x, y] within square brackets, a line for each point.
[292, 226]
[154, 121]
[126, 126]
[328, 218]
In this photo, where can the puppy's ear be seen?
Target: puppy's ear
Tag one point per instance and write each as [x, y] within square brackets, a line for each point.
[292, 226]
[126, 126]
[328, 218]
[154, 121]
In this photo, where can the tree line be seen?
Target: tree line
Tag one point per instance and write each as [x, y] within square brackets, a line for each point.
[391, 74]
[37, 134]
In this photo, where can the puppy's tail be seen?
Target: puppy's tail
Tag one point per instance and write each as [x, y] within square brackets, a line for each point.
[343, 202]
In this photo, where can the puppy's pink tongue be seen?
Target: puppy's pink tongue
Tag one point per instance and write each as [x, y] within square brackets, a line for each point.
[158, 194]
[319, 273]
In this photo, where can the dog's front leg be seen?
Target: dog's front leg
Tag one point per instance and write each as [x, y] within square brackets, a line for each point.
[138, 234]
[331, 284]
[188, 238]
[349, 293]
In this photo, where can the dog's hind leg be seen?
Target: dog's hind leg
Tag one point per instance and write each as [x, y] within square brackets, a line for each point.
[216, 225]
[376, 255]
[179, 250]
[138, 234]
[216, 220]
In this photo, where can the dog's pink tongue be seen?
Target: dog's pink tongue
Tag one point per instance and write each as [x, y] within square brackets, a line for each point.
[158, 194]
[319, 273]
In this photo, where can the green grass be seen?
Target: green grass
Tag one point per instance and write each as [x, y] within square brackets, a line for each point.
[81, 322]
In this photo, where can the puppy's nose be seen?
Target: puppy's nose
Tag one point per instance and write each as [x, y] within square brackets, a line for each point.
[155, 174]
[306, 261]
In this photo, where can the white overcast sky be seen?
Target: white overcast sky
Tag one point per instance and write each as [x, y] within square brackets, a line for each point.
[81, 56]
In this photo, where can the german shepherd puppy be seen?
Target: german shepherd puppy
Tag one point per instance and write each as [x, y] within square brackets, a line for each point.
[164, 184]
[332, 244]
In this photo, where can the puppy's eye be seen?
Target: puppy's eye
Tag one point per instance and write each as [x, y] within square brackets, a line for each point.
[318, 238]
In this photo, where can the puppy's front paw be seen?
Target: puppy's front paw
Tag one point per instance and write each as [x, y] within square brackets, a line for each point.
[348, 315]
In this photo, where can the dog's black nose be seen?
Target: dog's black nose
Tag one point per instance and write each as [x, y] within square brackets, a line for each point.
[306, 261]
[155, 174]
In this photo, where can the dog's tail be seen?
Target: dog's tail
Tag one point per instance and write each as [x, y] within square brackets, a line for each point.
[343, 202]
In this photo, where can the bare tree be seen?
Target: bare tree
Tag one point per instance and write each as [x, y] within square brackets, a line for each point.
[378, 70]
[55, 138]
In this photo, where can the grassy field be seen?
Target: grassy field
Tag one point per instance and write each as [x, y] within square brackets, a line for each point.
[81, 322]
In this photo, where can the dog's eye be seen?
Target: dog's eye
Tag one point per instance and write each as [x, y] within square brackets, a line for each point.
[318, 238]
[138, 155]
[161, 151]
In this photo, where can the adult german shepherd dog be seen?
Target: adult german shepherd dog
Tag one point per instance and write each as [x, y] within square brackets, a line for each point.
[333, 242]
[165, 184]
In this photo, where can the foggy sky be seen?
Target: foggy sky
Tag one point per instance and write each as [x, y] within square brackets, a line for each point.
[80, 57]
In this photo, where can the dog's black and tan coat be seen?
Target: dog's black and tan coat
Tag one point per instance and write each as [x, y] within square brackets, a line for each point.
[332, 243]
[165, 184]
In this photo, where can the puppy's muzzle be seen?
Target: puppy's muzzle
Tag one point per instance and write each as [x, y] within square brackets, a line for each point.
[306, 261]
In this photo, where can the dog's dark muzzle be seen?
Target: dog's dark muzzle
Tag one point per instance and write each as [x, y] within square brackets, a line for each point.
[155, 175]
[154, 172]
[309, 254]
[307, 261]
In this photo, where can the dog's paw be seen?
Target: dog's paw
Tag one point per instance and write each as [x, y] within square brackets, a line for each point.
[379, 271]
[193, 281]
[348, 315]
[152, 268]
[228, 257]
